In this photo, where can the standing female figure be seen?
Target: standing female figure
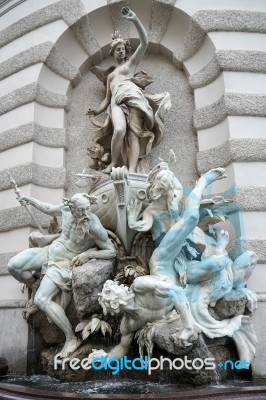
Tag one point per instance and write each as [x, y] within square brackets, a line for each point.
[135, 120]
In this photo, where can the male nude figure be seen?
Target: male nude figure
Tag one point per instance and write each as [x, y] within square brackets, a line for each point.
[148, 299]
[162, 214]
[81, 233]
[152, 296]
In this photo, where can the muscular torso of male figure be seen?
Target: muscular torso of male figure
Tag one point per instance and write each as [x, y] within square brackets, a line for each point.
[149, 308]
[68, 244]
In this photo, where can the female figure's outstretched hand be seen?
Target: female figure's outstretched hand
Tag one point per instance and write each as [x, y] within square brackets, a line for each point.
[91, 112]
[128, 14]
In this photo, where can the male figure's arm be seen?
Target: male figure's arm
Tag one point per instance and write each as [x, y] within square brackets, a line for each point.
[121, 349]
[105, 251]
[144, 284]
[46, 208]
[105, 248]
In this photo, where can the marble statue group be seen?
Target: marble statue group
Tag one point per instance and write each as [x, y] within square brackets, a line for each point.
[189, 269]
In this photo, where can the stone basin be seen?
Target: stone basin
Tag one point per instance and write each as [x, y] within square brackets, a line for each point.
[233, 390]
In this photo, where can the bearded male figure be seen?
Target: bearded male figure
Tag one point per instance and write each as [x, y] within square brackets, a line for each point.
[81, 232]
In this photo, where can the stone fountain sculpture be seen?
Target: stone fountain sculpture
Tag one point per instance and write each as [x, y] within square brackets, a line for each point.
[182, 278]
[127, 247]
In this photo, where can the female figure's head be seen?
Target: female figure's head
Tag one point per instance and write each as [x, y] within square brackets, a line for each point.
[119, 48]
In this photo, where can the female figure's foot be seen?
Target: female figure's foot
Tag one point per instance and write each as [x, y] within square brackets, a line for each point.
[222, 240]
[213, 175]
[108, 169]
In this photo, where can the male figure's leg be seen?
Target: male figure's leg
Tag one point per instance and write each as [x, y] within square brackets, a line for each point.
[44, 300]
[243, 267]
[22, 265]
[176, 295]
[201, 271]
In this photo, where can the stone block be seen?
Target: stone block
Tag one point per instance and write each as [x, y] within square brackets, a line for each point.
[88, 281]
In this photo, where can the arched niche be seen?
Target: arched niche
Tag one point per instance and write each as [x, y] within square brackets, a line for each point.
[86, 43]
[179, 132]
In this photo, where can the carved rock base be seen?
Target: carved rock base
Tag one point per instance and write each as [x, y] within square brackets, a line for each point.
[87, 282]
[221, 352]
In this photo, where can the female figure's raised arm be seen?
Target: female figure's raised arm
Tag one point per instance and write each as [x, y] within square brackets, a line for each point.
[140, 51]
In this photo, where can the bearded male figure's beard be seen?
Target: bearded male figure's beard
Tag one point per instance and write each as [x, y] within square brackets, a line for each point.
[83, 228]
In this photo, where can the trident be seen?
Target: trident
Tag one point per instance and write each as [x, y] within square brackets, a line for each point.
[17, 191]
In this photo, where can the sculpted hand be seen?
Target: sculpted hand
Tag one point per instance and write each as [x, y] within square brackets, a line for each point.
[82, 258]
[91, 112]
[133, 213]
[128, 14]
[183, 278]
[172, 157]
[96, 354]
[134, 209]
[24, 200]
